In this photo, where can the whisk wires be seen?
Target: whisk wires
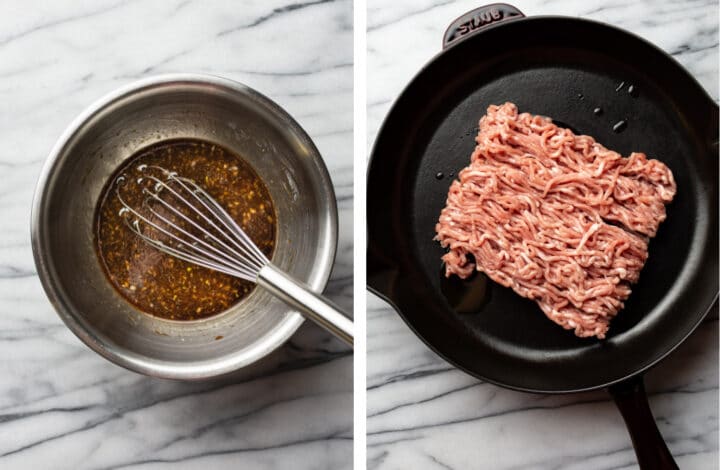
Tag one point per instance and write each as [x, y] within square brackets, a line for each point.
[179, 218]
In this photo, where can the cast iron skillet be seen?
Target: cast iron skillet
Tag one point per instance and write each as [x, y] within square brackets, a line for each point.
[563, 68]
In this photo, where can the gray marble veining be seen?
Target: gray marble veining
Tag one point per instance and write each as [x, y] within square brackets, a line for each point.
[61, 405]
[424, 414]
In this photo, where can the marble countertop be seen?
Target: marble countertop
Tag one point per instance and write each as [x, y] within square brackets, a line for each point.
[423, 413]
[61, 405]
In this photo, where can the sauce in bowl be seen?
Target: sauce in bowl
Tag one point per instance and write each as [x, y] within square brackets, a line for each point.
[157, 283]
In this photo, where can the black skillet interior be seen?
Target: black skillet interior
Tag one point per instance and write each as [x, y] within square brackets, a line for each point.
[563, 68]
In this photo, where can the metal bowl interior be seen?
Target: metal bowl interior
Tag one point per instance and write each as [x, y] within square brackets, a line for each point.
[111, 131]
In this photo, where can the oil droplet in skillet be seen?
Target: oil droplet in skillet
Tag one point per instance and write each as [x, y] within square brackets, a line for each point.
[598, 111]
[439, 175]
[620, 126]
[633, 91]
[619, 87]
[465, 295]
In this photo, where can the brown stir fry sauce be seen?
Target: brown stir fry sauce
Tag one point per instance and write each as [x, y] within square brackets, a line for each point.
[157, 283]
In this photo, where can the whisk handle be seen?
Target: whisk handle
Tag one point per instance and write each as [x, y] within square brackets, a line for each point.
[310, 304]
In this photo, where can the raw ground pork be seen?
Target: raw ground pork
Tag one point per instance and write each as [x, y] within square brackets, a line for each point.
[557, 217]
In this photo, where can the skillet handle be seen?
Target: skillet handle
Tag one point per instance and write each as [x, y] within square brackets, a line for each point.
[477, 19]
[650, 448]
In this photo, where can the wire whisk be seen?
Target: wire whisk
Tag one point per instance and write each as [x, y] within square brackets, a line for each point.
[179, 218]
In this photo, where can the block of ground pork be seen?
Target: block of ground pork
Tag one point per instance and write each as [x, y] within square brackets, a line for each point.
[555, 216]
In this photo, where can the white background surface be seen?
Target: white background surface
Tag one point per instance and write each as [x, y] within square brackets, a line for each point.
[424, 414]
[61, 405]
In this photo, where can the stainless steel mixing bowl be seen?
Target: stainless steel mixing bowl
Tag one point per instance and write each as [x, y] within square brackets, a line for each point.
[99, 141]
